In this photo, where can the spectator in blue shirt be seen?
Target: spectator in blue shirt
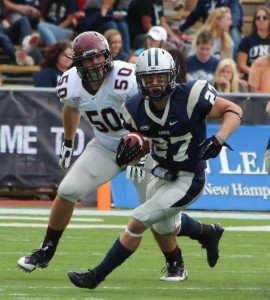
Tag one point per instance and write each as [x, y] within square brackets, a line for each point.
[102, 15]
[57, 60]
[57, 18]
[202, 65]
[19, 32]
[23, 8]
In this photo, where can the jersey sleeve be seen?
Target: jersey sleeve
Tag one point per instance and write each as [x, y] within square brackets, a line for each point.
[67, 84]
[201, 98]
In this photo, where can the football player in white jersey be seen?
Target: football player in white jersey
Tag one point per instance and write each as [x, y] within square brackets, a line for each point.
[96, 88]
[174, 116]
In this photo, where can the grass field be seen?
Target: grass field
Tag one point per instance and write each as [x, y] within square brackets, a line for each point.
[243, 271]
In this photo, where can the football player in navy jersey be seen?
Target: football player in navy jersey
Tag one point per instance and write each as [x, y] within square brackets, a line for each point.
[95, 88]
[174, 117]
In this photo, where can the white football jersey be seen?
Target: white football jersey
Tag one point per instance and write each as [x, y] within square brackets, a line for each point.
[102, 110]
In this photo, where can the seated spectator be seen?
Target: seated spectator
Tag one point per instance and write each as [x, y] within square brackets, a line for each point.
[202, 65]
[56, 21]
[226, 79]
[142, 15]
[218, 24]
[259, 74]
[57, 60]
[202, 10]
[15, 9]
[19, 32]
[181, 65]
[255, 44]
[114, 39]
[156, 37]
[102, 15]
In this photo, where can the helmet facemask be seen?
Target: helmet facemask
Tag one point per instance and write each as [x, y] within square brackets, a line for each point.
[96, 72]
[156, 92]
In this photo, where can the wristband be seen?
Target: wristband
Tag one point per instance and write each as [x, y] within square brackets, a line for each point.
[221, 138]
[234, 112]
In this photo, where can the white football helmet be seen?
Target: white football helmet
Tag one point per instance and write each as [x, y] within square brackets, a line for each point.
[155, 61]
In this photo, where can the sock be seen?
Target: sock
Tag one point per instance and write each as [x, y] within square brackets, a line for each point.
[189, 226]
[53, 235]
[174, 256]
[114, 258]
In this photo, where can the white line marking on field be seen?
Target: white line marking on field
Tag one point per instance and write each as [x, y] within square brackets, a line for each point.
[76, 226]
[112, 226]
[128, 212]
[46, 218]
[248, 228]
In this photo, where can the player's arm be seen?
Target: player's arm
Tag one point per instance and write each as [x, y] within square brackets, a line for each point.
[231, 115]
[71, 119]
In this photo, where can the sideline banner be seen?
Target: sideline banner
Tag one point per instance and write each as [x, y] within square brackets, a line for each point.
[31, 135]
[236, 180]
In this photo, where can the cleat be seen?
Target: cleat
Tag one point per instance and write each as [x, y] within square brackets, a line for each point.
[176, 272]
[87, 280]
[39, 258]
[210, 237]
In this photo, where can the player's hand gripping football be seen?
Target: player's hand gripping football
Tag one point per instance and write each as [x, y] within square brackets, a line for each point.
[126, 153]
[136, 173]
[65, 155]
[211, 148]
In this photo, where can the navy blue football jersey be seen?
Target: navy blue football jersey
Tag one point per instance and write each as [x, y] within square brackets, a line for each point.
[179, 129]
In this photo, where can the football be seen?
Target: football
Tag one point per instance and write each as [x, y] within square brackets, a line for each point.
[143, 142]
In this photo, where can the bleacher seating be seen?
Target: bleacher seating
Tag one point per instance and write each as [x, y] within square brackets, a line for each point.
[14, 74]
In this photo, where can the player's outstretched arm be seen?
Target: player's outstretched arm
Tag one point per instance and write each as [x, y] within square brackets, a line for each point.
[231, 115]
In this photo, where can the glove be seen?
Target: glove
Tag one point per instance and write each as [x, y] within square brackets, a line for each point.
[211, 148]
[66, 154]
[126, 154]
[136, 173]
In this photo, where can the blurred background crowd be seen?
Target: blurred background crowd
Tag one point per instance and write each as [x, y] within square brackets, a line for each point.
[209, 39]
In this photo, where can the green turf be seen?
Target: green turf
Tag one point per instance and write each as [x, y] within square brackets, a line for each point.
[242, 272]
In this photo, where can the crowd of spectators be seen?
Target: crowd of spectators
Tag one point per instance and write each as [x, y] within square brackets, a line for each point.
[218, 52]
